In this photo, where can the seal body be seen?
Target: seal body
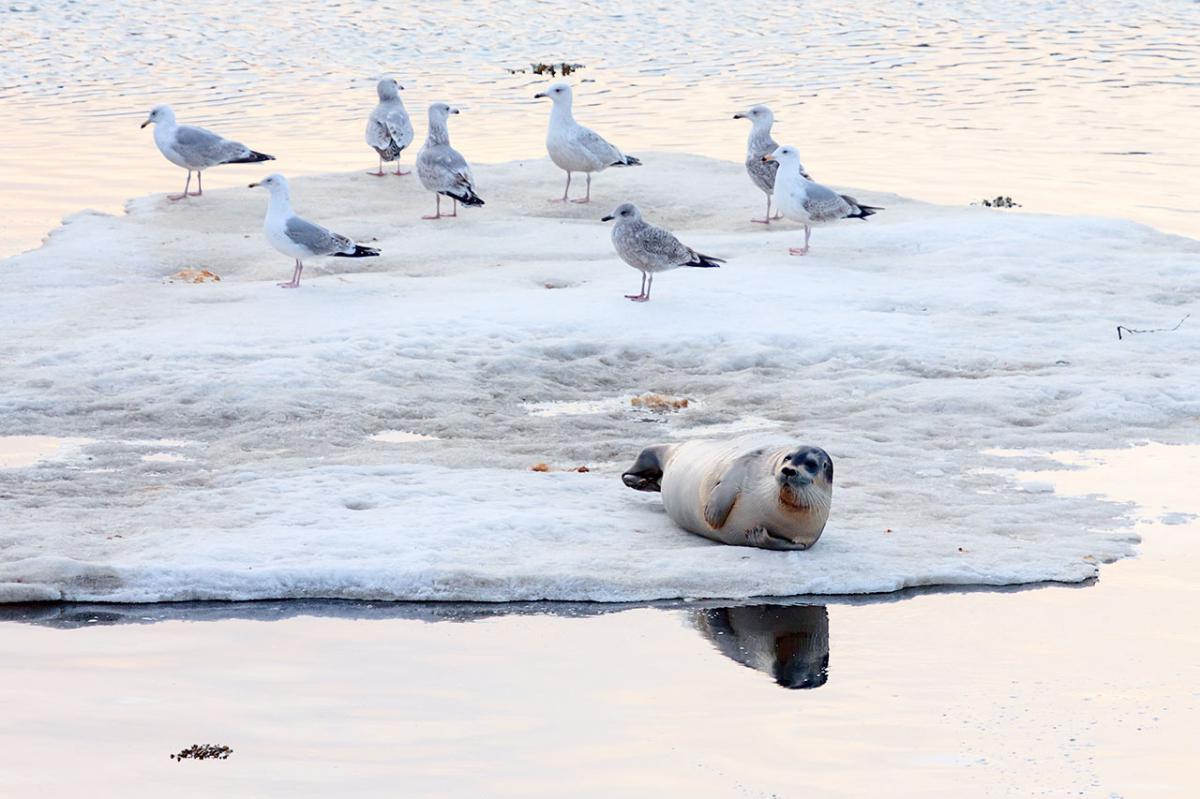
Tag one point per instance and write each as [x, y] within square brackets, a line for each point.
[744, 492]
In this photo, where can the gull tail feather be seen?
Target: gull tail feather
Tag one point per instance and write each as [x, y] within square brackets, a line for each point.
[627, 160]
[467, 197]
[704, 261]
[360, 251]
[859, 211]
[253, 158]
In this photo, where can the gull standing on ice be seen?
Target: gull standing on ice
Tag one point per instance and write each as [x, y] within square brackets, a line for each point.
[299, 238]
[807, 202]
[760, 143]
[442, 169]
[389, 130]
[196, 149]
[650, 249]
[575, 148]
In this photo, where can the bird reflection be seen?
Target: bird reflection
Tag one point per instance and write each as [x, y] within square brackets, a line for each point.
[788, 642]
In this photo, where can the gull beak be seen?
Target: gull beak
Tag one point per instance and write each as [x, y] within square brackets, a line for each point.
[398, 86]
[539, 95]
[739, 116]
[454, 111]
[144, 124]
[254, 185]
[768, 158]
[608, 218]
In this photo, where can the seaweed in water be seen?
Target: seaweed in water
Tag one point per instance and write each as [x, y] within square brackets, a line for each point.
[552, 70]
[203, 752]
[999, 201]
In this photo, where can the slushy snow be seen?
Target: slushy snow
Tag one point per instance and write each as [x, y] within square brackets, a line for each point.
[914, 347]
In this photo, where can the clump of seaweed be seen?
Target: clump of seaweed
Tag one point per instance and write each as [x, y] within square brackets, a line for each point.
[203, 752]
[194, 276]
[1000, 201]
[658, 403]
[562, 68]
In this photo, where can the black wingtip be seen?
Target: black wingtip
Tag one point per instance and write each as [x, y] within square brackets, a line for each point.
[253, 158]
[470, 199]
[629, 161]
[360, 251]
[706, 262]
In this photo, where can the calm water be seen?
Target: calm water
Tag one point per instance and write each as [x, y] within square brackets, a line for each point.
[1067, 107]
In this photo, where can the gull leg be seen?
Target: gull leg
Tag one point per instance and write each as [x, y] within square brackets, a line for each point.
[649, 285]
[641, 294]
[295, 281]
[454, 206]
[199, 183]
[566, 189]
[186, 186]
[766, 220]
[587, 197]
[380, 173]
[802, 250]
[438, 215]
[398, 173]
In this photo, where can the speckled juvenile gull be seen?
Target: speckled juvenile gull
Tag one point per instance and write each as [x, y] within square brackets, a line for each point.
[389, 130]
[650, 249]
[573, 147]
[196, 149]
[760, 143]
[808, 202]
[297, 237]
[442, 169]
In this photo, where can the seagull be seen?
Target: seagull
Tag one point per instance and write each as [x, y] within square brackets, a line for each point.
[442, 169]
[760, 143]
[196, 148]
[808, 202]
[389, 129]
[575, 148]
[299, 238]
[650, 249]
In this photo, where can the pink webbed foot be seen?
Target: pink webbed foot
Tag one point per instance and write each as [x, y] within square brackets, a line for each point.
[433, 216]
[637, 297]
[400, 174]
[797, 251]
[177, 197]
[378, 174]
[291, 284]
[584, 200]
[762, 221]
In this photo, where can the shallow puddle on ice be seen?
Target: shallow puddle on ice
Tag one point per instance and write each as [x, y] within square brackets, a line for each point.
[401, 437]
[658, 404]
[163, 457]
[750, 424]
[1148, 474]
[19, 452]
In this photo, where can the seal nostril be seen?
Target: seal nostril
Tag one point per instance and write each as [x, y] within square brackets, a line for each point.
[788, 471]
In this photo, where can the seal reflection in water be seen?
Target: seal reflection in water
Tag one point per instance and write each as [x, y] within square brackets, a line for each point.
[788, 642]
[741, 492]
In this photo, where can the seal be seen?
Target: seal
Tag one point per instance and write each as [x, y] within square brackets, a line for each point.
[788, 642]
[740, 492]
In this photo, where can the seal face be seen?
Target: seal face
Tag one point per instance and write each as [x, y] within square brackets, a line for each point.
[740, 492]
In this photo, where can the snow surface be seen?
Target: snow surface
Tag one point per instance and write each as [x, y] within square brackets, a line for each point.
[913, 347]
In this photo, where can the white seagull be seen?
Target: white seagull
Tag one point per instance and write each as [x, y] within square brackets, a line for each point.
[298, 238]
[441, 168]
[389, 130]
[807, 202]
[196, 149]
[575, 148]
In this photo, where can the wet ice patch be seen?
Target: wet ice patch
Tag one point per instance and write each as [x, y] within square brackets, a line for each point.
[401, 437]
[20, 452]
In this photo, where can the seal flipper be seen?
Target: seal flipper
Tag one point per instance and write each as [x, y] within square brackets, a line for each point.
[724, 495]
[646, 472]
[761, 538]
